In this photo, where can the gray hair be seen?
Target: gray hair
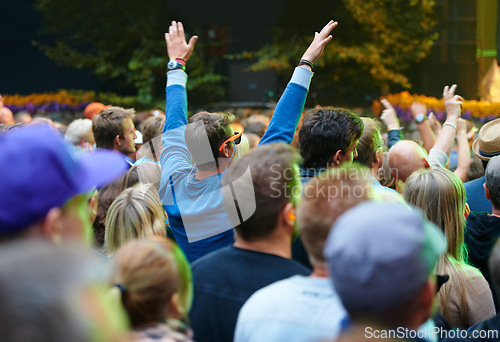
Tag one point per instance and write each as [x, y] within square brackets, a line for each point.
[78, 130]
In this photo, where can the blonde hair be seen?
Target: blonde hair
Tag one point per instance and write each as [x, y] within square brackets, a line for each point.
[136, 213]
[368, 142]
[149, 272]
[441, 195]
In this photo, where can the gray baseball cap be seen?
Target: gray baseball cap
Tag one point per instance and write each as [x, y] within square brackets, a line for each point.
[381, 254]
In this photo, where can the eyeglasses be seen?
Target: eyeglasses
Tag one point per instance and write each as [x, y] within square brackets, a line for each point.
[236, 139]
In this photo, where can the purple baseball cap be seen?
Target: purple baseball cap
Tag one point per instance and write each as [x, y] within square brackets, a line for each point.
[39, 171]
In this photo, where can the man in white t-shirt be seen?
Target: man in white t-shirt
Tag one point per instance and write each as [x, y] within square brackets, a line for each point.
[303, 308]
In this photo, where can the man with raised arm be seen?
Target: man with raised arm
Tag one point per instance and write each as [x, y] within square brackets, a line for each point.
[196, 154]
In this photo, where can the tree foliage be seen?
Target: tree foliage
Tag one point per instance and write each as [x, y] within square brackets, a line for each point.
[120, 40]
[374, 46]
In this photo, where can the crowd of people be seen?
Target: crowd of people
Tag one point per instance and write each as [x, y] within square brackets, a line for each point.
[315, 225]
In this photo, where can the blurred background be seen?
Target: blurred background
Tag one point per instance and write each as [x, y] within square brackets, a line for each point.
[114, 50]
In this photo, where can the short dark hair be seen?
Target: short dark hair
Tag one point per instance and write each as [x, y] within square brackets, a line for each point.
[108, 124]
[326, 131]
[152, 127]
[271, 170]
[368, 143]
[215, 126]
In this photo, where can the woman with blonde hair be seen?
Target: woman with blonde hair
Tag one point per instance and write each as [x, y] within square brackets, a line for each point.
[154, 282]
[466, 298]
[136, 213]
[146, 173]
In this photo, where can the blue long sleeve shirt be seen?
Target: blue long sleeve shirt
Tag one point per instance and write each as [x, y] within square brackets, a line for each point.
[194, 206]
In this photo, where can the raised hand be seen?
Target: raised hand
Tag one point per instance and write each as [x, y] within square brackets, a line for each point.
[452, 102]
[318, 44]
[389, 116]
[177, 47]
[434, 123]
[418, 108]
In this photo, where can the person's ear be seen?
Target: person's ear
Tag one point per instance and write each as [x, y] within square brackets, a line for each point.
[224, 153]
[288, 214]
[52, 226]
[93, 201]
[117, 140]
[486, 191]
[174, 310]
[379, 159]
[337, 158]
[426, 163]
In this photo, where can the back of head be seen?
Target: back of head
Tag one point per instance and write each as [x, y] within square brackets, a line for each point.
[152, 127]
[146, 173]
[324, 199]
[136, 213]
[93, 108]
[406, 157]
[6, 116]
[148, 273]
[23, 117]
[492, 180]
[108, 124]
[207, 129]
[256, 124]
[380, 257]
[325, 132]
[43, 290]
[253, 139]
[264, 180]
[78, 130]
[441, 196]
[369, 143]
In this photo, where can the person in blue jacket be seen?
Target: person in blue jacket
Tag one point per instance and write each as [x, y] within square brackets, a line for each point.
[196, 154]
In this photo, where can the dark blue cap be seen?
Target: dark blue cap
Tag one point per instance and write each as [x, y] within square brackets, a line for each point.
[39, 171]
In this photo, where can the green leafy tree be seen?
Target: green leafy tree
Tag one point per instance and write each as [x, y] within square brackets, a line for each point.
[122, 41]
[373, 48]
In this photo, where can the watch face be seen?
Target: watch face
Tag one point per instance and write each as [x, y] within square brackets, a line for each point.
[420, 118]
[171, 64]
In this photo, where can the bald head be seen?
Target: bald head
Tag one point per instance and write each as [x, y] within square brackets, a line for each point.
[407, 157]
[6, 116]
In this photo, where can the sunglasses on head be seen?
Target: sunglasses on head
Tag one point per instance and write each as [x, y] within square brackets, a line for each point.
[236, 139]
